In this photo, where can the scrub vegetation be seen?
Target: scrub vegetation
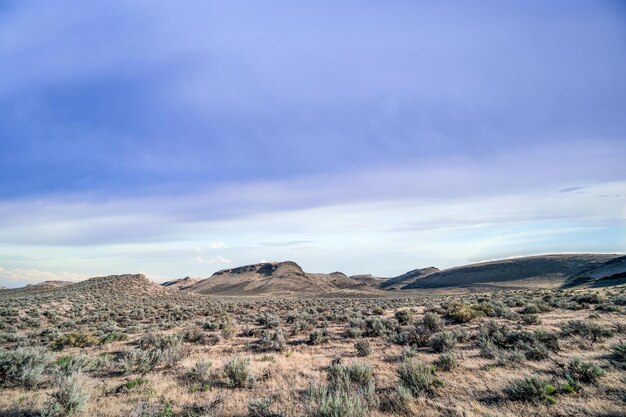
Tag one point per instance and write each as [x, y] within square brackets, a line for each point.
[124, 346]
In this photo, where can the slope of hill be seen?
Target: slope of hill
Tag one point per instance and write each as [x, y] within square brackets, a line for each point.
[275, 278]
[611, 272]
[407, 278]
[369, 279]
[181, 283]
[135, 284]
[531, 271]
[126, 290]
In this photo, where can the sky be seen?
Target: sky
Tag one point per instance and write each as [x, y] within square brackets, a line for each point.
[179, 139]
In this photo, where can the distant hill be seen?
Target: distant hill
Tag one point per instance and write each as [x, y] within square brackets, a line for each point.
[405, 279]
[134, 284]
[369, 279]
[611, 272]
[181, 283]
[51, 283]
[276, 278]
[121, 287]
[531, 271]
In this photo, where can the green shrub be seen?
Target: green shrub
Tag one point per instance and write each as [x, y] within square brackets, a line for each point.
[588, 298]
[531, 309]
[141, 361]
[133, 383]
[68, 365]
[582, 371]
[262, 408]
[201, 372]
[590, 331]
[23, 366]
[325, 402]
[619, 350]
[75, 339]
[397, 401]
[162, 342]
[145, 409]
[68, 398]
[374, 327]
[363, 348]
[354, 332]
[238, 374]
[530, 319]
[418, 336]
[416, 376]
[268, 320]
[462, 313]
[272, 341]
[402, 316]
[345, 377]
[446, 361]
[442, 341]
[433, 322]
[317, 337]
[408, 352]
[113, 337]
[531, 389]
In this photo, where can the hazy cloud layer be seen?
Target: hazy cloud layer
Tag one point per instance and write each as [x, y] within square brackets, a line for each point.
[361, 136]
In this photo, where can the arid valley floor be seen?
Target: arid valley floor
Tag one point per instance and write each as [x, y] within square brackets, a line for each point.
[126, 346]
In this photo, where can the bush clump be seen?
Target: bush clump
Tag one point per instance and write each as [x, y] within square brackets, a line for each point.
[433, 322]
[619, 350]
[238, 374]
[582, 371]
[446, 361]
[416, 376]
[354, 375]
[462, 313]
[325, 402]
[442, 341]
[363, 348]
[531, 389]
[262, 408]
[590, 331]
[317, 337]
[75, 339]
[201, 373]
[272, 341]
[69, 397]
[402, 316]
[23, 367]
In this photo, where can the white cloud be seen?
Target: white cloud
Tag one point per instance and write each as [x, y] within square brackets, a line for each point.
[388, 236]
[13, 277]
[217, 245]
[213, 260]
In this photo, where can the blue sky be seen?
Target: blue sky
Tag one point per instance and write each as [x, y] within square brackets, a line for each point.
[179, 139]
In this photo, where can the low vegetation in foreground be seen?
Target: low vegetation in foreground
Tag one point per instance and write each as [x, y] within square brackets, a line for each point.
[128, 348]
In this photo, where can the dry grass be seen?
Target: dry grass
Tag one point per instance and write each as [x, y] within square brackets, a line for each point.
[228, 328]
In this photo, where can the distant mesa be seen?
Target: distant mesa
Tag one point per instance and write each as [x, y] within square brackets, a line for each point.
[51, 284]
[407, 278]
[271, 278]
[369, 279]
[289, 279]
[545, 271]
[181, 283]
